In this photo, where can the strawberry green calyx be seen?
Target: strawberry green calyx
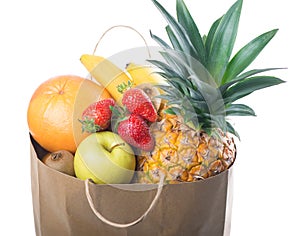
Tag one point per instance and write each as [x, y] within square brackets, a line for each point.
[119, 114]
[89, 125]
[96, 117]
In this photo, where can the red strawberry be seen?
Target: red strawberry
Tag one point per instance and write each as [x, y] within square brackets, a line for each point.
[138, 102]
[136, 132]
[97, 116]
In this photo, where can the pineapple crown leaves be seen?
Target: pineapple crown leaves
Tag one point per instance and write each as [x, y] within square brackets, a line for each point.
[203, 70]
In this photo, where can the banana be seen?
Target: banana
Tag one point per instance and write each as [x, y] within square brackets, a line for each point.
[106, 73]
[90, 61]
[112, 77]
[143, 74]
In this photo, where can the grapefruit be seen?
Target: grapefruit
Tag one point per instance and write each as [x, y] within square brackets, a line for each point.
[55, 107]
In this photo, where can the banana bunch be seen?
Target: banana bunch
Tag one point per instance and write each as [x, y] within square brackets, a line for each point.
[113, 78]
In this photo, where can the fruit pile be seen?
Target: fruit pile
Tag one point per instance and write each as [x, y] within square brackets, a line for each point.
[167, 121]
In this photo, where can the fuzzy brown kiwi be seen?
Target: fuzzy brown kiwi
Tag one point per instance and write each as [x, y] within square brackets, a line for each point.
[62, 161]
[152, 93]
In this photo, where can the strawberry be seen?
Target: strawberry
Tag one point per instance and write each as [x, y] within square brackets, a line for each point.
[96, 117]
[137, 102]
[135, 131]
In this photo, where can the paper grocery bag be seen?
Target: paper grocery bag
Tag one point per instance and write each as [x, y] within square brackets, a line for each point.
[61, 206]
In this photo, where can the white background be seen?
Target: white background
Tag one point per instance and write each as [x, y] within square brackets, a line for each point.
[41, 39]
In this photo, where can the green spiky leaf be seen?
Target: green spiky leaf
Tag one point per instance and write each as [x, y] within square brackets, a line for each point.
[239, 110]
[176, 45]
[231, 129]
[246, 55]
[243, 76]
[248, 86]
[185, 19]
[168, 70]
[160, 42]
[223, 42]
[211, 35]
[178, 30]
[256, 71]
[177, 65]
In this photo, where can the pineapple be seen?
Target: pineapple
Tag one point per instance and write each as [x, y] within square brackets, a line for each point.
[194, 138]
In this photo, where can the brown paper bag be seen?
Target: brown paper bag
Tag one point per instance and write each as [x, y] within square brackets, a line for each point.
[61, 206]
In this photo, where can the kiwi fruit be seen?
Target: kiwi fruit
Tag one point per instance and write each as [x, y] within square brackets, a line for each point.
[152, 92]
[62, 161]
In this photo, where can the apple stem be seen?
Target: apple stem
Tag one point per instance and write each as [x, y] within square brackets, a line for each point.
[116, 145]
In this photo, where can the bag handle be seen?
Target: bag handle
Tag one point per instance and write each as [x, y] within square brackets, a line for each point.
[126, 27]
[118, 225]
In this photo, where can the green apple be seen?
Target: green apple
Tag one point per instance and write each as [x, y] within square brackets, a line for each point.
[105, 158]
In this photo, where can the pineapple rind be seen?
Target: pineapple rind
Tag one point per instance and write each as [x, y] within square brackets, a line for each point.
[183, 154]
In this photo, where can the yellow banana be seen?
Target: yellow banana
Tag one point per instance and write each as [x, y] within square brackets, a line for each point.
[106, 73]
[111, 76]
[143, 74]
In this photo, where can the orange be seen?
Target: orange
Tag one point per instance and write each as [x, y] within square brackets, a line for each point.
[55, 108]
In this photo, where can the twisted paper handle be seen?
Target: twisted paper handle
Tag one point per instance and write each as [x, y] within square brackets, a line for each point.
[122, 26]
[118, 225]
